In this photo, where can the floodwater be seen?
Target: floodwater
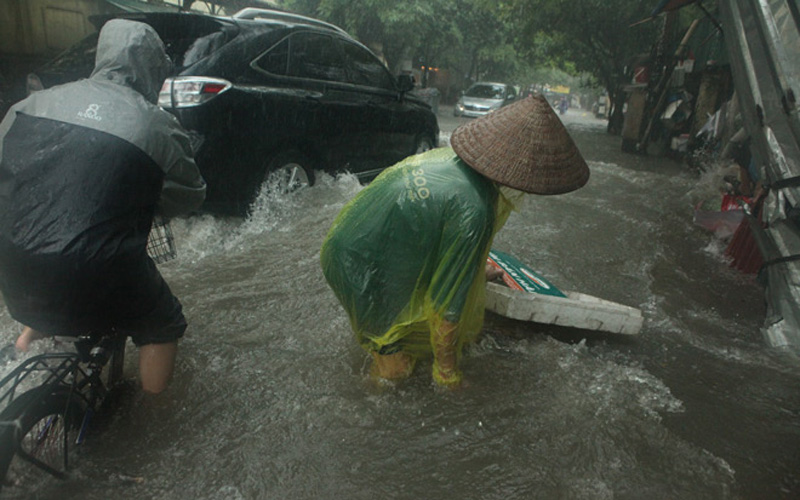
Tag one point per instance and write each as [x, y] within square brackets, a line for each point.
[271, 399]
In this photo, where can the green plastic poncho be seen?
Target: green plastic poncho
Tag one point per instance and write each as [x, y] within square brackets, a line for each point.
[410, 249]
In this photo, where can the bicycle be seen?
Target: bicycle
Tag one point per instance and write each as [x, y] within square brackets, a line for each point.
[40, 424]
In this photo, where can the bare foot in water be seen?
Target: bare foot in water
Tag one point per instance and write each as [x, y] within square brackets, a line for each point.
[27, 336]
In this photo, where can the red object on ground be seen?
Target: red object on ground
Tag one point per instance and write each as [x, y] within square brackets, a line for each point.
[731, 202]
[743, 250]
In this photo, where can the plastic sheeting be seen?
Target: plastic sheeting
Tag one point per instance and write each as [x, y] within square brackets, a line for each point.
[409, 251]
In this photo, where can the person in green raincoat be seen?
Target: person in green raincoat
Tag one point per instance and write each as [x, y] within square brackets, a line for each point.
[407, 256]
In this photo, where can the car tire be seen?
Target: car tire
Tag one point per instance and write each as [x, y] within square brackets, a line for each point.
[423, 143]
[289, 171]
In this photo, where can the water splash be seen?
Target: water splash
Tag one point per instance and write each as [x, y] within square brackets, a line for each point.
[199, 237]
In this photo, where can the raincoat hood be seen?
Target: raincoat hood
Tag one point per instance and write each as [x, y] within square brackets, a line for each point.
[131, 53]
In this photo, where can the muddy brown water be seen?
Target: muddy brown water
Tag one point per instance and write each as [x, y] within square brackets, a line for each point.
[271, 398]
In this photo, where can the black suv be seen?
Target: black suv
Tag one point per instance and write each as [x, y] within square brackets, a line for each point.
[266, 92]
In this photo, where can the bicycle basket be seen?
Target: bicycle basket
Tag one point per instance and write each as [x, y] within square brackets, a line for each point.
[160, 243]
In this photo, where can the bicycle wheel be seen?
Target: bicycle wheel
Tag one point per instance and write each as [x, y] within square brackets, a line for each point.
[114, 369]
[38, 427]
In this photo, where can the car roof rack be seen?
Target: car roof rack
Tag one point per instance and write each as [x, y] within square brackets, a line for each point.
[254, 13]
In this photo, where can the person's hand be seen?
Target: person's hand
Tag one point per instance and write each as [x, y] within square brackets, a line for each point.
[492, 273]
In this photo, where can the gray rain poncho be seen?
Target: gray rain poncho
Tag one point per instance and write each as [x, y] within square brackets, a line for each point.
[84, 167]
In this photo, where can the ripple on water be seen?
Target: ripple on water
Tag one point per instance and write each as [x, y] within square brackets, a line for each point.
[271, 398]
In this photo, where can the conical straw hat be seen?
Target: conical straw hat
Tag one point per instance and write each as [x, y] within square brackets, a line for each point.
[524, 146]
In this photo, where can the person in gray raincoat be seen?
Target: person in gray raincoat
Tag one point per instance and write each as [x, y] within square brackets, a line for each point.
[84, 168]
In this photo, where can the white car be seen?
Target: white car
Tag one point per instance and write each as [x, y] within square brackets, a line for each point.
[484, 97]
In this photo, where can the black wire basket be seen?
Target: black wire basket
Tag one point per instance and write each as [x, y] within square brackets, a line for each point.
[160, 242]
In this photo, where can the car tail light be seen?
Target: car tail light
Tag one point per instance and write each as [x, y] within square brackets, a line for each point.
[187, 91]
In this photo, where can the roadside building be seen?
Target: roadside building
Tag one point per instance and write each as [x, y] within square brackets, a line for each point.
[36, 30]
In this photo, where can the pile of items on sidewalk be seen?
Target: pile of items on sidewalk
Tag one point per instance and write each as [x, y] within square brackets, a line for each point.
[757, 134]
[733, 171]
[680, 105]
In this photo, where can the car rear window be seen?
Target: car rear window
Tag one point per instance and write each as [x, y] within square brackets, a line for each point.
[76, 62]
[193, 38]
[187, 39]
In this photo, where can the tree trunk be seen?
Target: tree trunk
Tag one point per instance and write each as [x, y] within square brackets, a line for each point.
[473, 70]
[617, 117]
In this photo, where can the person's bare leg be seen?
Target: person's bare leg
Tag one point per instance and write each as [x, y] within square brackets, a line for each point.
[392, 366]
[27, 336]
[156, 364]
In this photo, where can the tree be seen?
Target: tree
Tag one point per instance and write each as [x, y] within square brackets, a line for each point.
[594, 35]
[464, 35]
[397, 27]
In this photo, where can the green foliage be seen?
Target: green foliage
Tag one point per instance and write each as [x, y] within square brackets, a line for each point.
[465, 36]
[570, 42]
[593, 36]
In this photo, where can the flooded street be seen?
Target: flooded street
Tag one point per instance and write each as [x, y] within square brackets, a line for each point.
[271, 398]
